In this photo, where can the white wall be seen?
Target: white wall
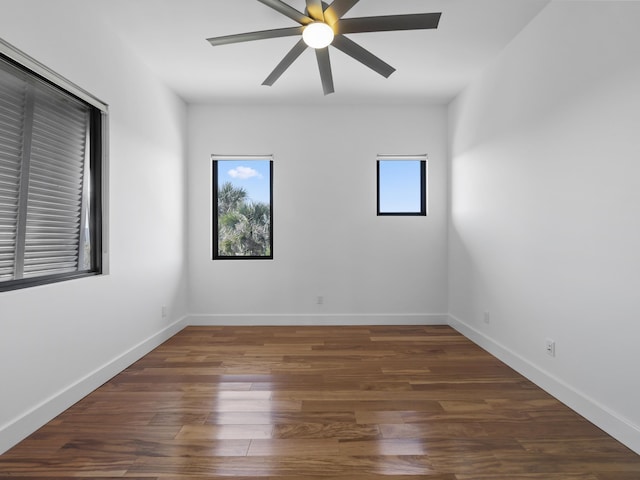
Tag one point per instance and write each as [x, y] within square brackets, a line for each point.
[545, 208]
[58, 342]
[328, 240]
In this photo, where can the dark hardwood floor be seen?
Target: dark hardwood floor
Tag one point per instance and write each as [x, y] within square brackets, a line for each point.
[320, 402]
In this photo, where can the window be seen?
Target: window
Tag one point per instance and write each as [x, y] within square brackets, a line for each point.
[242, 207]
[51, 152]
[402, 185]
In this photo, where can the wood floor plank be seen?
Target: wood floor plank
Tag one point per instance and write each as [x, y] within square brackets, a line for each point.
[190, 447]
[298, 467]
[326, 403]
[279, 418]
[379, 417]
[383, 447]
[433, 430]
[223, 432]
[339, 431]
[530, 476]
[296, 447]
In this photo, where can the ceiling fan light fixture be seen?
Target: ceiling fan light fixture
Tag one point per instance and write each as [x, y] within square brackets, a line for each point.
[322, 25]
[318, 35]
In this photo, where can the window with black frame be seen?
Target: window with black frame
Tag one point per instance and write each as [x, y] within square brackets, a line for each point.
[51, 157]
[402, 185]
[242, 207]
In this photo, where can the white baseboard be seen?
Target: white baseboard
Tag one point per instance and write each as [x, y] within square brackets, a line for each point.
[23, 426]
[306, 319]
[614, 424]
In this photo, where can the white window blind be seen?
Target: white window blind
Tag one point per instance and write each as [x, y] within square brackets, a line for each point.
[44, 178]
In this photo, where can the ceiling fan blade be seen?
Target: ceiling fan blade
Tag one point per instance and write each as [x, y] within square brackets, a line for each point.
[247, 37]
[365, 57]
[388, 23]
[324, 64]
[314, 7]
[288, 11]
[286, 62]
[337, 9]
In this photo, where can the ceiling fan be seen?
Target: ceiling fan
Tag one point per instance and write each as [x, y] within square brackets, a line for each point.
[322, 25]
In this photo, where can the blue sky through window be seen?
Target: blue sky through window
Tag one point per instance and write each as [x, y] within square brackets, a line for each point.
[400, 186]
[251, 175]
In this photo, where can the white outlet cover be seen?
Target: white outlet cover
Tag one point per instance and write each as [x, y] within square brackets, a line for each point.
[550, 346]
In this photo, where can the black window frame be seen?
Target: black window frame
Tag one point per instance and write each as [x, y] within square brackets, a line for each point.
[95, 161]
[422, 159]
[215, 159]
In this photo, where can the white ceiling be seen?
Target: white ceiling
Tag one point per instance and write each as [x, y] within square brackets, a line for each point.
[432, 65]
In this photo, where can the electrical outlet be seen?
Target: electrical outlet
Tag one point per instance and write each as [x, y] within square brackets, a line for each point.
[163, 311]
[319, 300]
[487, 317]
[550, 347]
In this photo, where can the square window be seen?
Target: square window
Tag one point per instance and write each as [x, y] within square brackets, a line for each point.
[402, 185]
[242, 207]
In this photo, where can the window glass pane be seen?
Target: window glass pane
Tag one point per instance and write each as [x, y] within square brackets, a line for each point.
[401, 187]
[242, 208]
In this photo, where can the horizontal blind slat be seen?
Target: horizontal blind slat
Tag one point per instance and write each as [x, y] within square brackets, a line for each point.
[62, 195]
[72, 177]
